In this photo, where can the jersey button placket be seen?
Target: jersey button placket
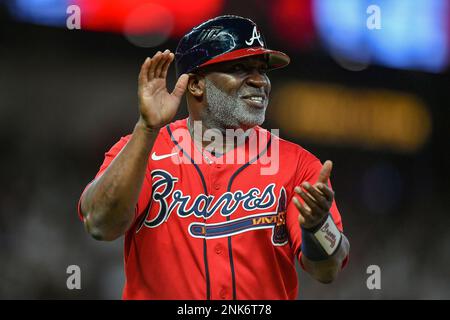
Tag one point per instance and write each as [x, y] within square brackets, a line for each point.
[223, 293]
[219, 249]
[208, 160]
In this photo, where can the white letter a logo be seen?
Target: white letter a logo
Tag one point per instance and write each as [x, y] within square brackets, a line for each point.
[255, 36]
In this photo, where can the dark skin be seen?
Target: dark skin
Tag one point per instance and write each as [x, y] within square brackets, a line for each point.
[317, 201]
[246, 76]
[108, 203]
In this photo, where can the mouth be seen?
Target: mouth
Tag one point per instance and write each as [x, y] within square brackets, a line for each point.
[255, 100]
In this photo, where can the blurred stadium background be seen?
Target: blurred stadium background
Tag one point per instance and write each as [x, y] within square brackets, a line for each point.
[375, 101]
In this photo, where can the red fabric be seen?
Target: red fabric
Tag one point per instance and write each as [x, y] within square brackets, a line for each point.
[310, 167]
[144, 197]
[166, 260]
[283, 59]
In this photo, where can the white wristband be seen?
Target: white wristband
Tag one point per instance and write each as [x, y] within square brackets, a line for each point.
[328, 236]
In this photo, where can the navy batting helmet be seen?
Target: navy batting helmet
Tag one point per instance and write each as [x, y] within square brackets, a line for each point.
[222, 39]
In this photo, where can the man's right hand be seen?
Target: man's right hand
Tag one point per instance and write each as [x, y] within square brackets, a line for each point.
[157, 106]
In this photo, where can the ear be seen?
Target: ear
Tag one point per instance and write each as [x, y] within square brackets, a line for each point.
[196, 85]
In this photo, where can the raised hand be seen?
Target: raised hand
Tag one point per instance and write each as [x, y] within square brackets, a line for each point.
[318, 199]
[157, 106]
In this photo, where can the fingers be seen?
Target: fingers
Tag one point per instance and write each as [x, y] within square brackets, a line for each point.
[166, 65]
[162, 61]
[301, 219]
[317, 199]
[180, 86]
[143, 74]
[326, 191]
[156, 67]
[312, 204]
[318, 196]
[155, 60]
[305, 212]
[325, 172]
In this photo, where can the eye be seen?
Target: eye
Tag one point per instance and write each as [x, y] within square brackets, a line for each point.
[237, 67]
[263, 69]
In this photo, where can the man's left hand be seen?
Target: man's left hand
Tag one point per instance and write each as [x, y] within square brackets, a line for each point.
[317, 199]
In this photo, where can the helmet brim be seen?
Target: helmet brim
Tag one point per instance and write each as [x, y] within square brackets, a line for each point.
[275, 59]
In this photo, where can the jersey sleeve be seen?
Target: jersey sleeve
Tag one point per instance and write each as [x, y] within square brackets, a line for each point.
[308, 169]
[145, 194]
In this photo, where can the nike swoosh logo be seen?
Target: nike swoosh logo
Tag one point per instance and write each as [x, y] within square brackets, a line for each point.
[163, 156]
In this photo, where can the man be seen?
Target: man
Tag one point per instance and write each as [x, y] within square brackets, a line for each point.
[197, 225]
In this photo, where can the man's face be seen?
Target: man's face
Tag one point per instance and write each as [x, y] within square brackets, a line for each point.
[237, 93]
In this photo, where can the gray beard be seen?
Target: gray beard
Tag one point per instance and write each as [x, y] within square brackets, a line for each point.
[226, 111]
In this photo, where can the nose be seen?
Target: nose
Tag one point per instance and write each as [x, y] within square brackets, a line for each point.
[258, 79]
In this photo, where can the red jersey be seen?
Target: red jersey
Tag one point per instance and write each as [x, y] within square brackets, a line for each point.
[213, 229]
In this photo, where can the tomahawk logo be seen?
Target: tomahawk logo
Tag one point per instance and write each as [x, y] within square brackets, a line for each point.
[255, 36]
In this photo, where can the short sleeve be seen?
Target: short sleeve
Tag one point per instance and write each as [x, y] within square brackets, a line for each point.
[308, 169]
[145, 194]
